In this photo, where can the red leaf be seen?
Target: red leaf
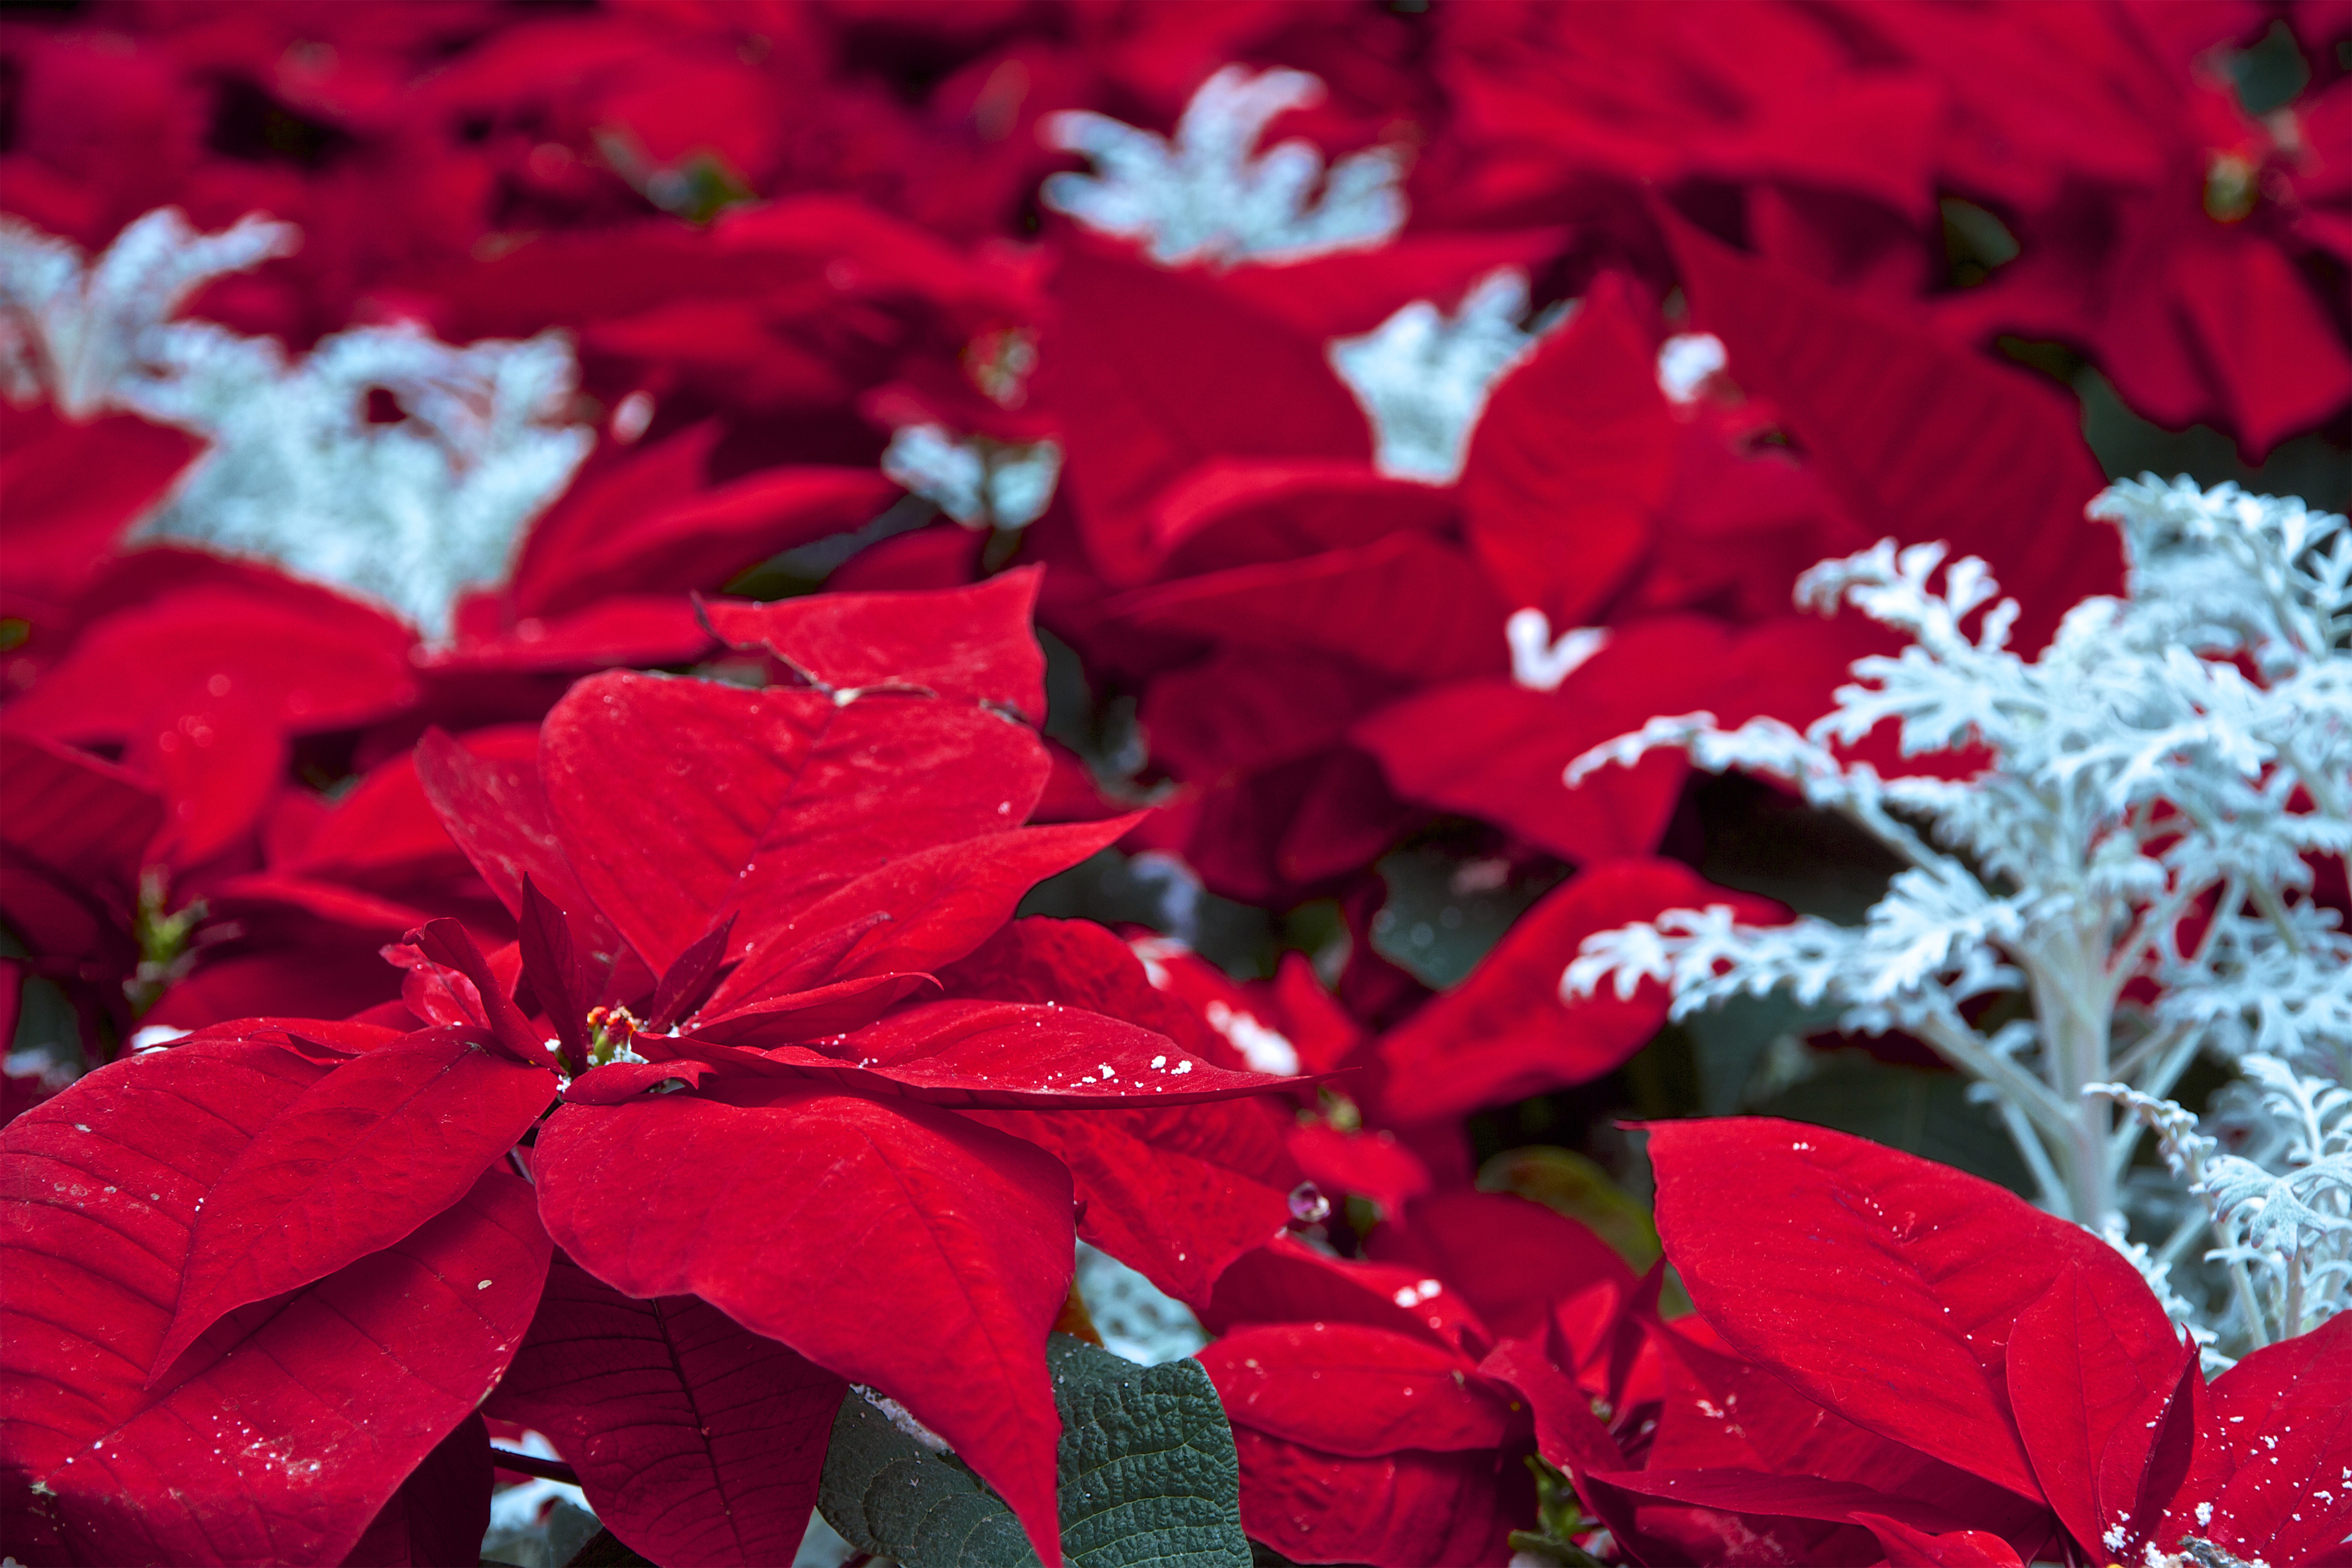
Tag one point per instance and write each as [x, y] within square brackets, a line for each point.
[1505, 1033]
[784, 1211]
[1287, 1281]
[1510, 1259]
[1569, 461]
[1921, 440]
[934, 906]
[1174, 1193]
[441, 1512]
[1407, 604]
[680, 801]
[972, 643]
[1568, 1434]
[351, 1164]
[1405, 1510]
[1016, 1056]
[1153, 371]
[1782, 1496]
[497, 811]
[2152, 1450]
[2284, 1414]
[707, 538]
[1498, 751]
[696, 1440]
[447, 942]
[313, 660]
[1227, 513]
[1349, 1389]
[217, 756]
[2078, 1365]
[73, 488]
[1909, 1548]
[285, 1429]
[558, 979]
[1765, 1221]
[82, 818]
[622, 631]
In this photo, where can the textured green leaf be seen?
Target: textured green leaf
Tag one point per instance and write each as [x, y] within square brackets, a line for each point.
[1148, 1477]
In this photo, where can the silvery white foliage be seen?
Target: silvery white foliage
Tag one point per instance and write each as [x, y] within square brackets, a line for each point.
[98, 337]
[2282, 1217]
[1686, 361]
[1205, 197]
[1423, 378]
[411, 512]
[1540, 661]
[1134, 1317]
[980, 483]
[2137, 777]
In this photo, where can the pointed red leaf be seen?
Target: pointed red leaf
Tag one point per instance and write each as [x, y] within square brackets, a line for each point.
[287, 1426]
[448, 943]
[783, 1211]
[688, 983]
[2284, 1414]
[1407, 604]
[934, 906]
[1921, 440]
[440, 1512]
[1568, 462]
[496, 811]
[679, 801]
[1019, 1054]
[1506, 1032]
[1908, 1548]
[1405, 1510]
[1152, 370]
[1174, 1193]
[2152, 1451]
[357, 1160]
[1765, 1221]
[1346, 1388]
[969, 643]
[1497, 750]
[558, 979]
[1288, 1281]
[707, 538]
[1568, 1434]
[1509, 1257]
[696, 1440]
[217, 756]
[84, 818]
[2078, 1365]
[1784, 1496]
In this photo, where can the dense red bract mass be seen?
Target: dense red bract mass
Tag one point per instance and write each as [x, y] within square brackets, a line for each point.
[615, 1012]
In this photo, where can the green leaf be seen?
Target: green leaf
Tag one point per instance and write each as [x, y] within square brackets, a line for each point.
[1149, 1476]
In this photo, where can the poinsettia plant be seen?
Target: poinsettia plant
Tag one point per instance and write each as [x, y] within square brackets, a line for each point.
[721, 724]
[767, 1048]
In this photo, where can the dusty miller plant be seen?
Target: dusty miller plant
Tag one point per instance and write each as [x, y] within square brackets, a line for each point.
[411, 510]
[2127, 883]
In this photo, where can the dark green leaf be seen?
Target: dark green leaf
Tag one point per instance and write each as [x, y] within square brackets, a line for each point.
[1148, 1477]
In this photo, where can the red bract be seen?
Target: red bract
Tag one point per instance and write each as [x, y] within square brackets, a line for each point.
[1917, 1357]
[792, 863]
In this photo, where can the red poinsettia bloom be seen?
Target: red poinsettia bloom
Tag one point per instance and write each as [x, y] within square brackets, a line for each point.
[823, 1117]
